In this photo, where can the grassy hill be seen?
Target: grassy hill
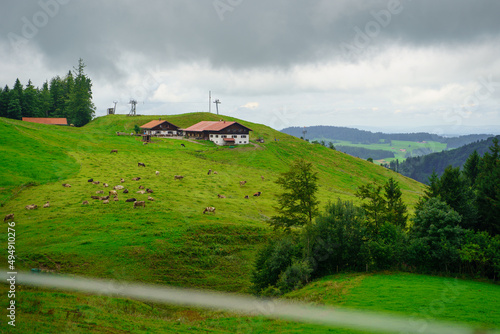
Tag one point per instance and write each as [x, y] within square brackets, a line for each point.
[169, 241]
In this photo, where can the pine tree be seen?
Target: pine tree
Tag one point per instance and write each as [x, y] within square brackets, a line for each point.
[81, 105]
[396, 209]
[44, 100]
[14, 109]
[471, 168]
[30, 103]
[4, 101]
[57, 96]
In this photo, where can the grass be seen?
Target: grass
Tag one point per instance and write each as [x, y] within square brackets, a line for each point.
[169, 241]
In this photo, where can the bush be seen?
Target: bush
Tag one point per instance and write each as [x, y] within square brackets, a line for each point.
[295, 276]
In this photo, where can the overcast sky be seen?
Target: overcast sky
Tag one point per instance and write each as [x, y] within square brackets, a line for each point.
[401, 65]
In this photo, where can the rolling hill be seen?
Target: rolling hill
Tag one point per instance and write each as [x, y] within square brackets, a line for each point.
[170, 241]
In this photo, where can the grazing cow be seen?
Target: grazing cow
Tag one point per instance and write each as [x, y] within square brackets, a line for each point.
[113, 192]
[114, 151]
[105, 185]
[209, 171]
[183, 145]
[141, 187]
[95, 182]
[221, 196]
[125, 191]
[65, 185]
[122, 180]
[139, 203]
[157, 173]
[130, 200]
[140, 164]
[85, 203]
[103, 198]
[46, 205]
[262, 177]
[150, 198]
[178, 177]
[95, 197]
[141, 192]
[258, 193]
[136, 179]
[31, 206]
[119, 187]
[242, 183]
[144, 143]
[150, 191]
[90, 180]
[8, 217]
[209, 209]
[99, 192]
[215, 172]
[246, 197]
[115, 199]
[106, 201]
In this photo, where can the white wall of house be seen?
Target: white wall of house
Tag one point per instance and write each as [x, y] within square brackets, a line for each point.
[160, 132]
[238, 139]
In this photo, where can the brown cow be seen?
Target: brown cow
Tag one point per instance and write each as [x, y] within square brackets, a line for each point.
[139, 203]
[209, 209]
[66, 185]
[215, 172]
[8, 217]
[113, 192]
[130, 200]
[122, 180]
[141, 192]
[46, 205]
[113, 151]
[95, 182]
[103, 198]
[242, 183]
[31, 206]
[258, 193]
[221, 196]
[150, 191]
[140, 164]
[115, 199]
[136, 179]
[106, 201]
[178, 177]
[246, 197]
[157, 173]
[150, 198]
[99, 192]
[125, 191]
[119, 187]
[85, 203]
[141, 187]
[95, 197]
[105, 185]
[262, 177]
[209, 171]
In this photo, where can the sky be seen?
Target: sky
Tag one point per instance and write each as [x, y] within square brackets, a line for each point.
[391, 65]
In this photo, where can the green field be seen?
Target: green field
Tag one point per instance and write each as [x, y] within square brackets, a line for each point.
[170, 241]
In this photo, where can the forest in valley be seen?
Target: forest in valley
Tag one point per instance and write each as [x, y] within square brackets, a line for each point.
[68, 97]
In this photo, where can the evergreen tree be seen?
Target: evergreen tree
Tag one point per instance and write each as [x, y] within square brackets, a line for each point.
[4, 101]
[30, 103]
[471, 168]
[68, 86]
[57, 96]
[375, 207]
[14, 109]
[488, 191]
[396, 209]
[80, 103]
[297, 205]
[44, 101]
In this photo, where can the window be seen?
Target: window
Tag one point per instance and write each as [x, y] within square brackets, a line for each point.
[216, 136]
[211, 136]
[243, 136]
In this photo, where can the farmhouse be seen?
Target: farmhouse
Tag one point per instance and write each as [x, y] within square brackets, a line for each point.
[46, 120]
[161, 128]
[221, 132]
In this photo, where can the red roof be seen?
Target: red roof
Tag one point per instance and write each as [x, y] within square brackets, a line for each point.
[229, 139]
[45, 120]
[211, 126]
[152, 124]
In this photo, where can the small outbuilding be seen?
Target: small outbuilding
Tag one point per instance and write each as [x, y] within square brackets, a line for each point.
[221, 132]
[161, 128]
[46, 120]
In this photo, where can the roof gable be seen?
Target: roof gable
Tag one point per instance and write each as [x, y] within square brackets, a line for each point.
[46, 120]
[213, 126]
[155, 123]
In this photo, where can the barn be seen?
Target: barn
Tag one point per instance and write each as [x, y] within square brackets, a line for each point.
[161, 128]
[221, 132]
[46, 120]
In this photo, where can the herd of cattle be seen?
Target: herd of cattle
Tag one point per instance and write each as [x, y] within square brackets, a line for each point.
[113, 194]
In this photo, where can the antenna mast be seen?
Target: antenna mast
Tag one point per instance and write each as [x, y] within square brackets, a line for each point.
[304, 133]
[133, 104]
[217, 102]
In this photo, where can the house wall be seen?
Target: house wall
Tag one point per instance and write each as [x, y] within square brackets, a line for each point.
[239, 139]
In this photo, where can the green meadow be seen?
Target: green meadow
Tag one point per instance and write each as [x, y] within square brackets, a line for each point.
[170, 241]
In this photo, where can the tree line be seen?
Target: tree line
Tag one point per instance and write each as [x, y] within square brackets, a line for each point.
[455, 229]
[69, 97]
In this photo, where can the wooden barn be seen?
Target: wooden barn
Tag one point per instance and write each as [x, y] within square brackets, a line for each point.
[161, 128]
[221, 132]
[46, 120]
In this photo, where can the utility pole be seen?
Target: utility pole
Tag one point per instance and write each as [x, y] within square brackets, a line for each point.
[217, 102]
[304, 133]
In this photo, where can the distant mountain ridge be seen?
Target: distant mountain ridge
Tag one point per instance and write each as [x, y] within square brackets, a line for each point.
[368, 137]
[420, 168]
